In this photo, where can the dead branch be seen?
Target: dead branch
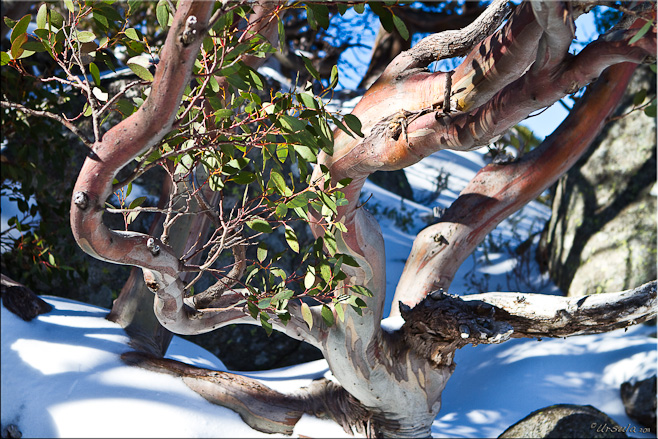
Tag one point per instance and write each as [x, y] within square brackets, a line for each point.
[442, 323]
[21, 300]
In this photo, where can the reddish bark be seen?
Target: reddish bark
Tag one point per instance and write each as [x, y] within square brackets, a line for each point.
[500, 190]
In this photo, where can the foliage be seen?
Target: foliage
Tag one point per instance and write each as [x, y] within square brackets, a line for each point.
[232, 134]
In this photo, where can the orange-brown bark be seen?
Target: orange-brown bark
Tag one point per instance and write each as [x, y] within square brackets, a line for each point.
[499, 190]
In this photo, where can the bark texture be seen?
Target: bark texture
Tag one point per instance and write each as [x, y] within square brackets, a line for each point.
[394, 381]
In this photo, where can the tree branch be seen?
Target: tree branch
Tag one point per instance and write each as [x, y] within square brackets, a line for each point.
[259, 406]
[449, 43]
[499, 190]
[41, 113]
[541, 315]
[442, 323]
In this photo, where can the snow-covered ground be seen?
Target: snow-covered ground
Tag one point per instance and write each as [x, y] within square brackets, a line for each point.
[62, 376]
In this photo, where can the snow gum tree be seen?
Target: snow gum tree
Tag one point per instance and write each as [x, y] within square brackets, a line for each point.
[244, 161]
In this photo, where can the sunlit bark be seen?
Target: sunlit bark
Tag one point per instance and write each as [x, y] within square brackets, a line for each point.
[394, 381]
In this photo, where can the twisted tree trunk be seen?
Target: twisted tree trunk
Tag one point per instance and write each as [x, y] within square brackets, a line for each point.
[394, 381]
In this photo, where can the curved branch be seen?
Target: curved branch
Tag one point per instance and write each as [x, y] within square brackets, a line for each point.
[499, 190]
[449, 43]
[259, 406]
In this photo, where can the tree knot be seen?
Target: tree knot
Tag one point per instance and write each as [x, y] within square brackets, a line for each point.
[190, 30]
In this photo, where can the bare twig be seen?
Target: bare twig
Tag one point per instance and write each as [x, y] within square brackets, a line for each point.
[120, 94]
[48, 114]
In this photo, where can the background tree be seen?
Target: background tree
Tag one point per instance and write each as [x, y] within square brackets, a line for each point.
[223, 140]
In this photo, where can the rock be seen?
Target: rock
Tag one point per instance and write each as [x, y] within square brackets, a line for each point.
[567, 421]
[602, 233]
[640, 401]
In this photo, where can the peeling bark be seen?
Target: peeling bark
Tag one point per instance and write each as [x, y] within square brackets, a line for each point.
[391, 384]
[499, 190]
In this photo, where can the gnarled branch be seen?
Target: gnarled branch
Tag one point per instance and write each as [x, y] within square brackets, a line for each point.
[442, 323]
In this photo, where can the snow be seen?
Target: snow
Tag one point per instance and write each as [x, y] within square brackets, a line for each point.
[62, 375]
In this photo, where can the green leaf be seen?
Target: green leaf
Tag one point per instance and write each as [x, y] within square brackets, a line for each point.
[125, 107]
[401, 27]
[17, 46]
[325, 272]
[101, 19]
[243, 177]
[305, 152]
[327, 315]
[260, 225]
[641, 32]
[162, 13]
[309, 66]
[300, 200]
[264, 303]
[359, 8]
[69, 5]
[308, 100]
[42, 16]
[639, 97]
[281, 210]
[236, 164]
[253, 309]
[282, 34]
[265, 323]
[354, 123]
[384, 14]
[309, 279]
[140, 67]
[9, 22]
[291, 239]
[280, 183]
[361, 290]
[4, 58]
[223, 113]
[340, 125]
[20, 28]
[320, 14]
[650, 110]
[349, 260]
[95, 73]
[34, 46]
[85, 36]
[261, 252]
[306, 315]
[137, 202]
[334, 77]
[330, 242]
[87, 110]
[132, 34]
[340, 311]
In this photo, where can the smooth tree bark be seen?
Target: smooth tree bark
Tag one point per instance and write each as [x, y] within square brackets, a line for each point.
[391, 383]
